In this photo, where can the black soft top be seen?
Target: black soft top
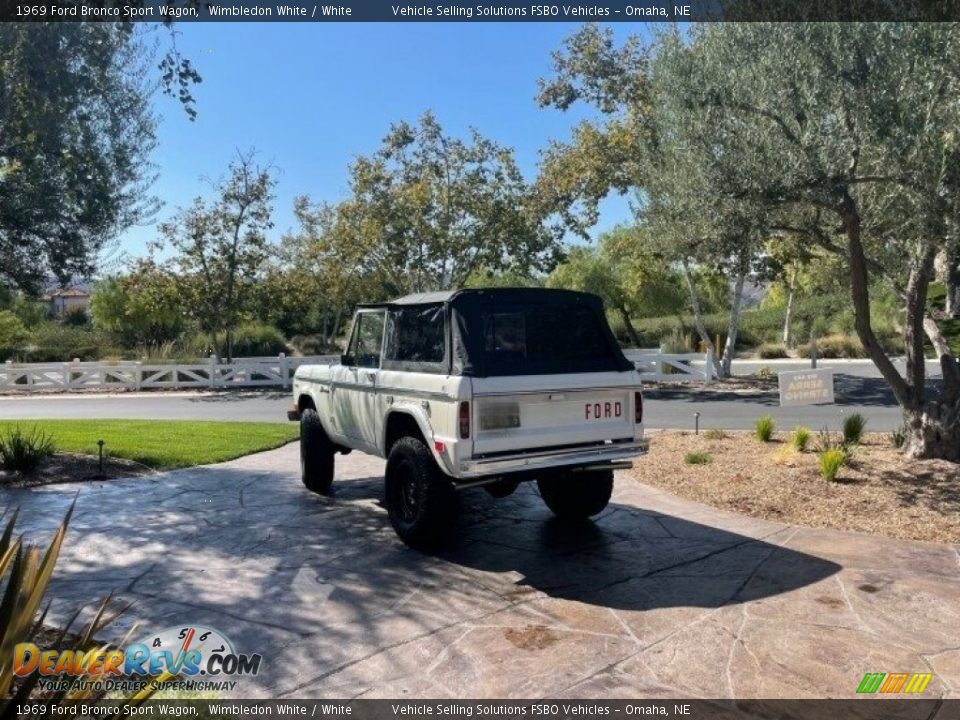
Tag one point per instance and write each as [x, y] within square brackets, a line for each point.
[521, 331]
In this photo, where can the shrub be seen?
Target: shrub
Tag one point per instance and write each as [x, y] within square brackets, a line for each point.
[256, 339]
[311, 345]
[825, 441]
[853, 426]
[898, 437]
[771, 351]
[800, 438]
[716, 434]
[677, 342]
[22, 452]
[13, 334]
[763, 428]
[697, 458]
[55, 342]
[76, 317]
[834, 346]
[830, 463]
[785, 455]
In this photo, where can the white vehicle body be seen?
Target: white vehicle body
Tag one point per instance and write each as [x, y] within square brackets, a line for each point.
[477, 427]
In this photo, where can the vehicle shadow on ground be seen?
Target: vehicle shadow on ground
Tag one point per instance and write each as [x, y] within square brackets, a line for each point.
[257, 555]
[627, 558]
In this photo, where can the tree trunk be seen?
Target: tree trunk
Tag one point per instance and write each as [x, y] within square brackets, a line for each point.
[631, 331]
[934, 430]
[953, 284]
[932, 425]
[788, 318]
[698, 318]
[733, 326]
[860, 295]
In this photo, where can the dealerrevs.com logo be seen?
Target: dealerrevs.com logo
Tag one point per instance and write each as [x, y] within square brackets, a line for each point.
[201, 657]
[894, 683]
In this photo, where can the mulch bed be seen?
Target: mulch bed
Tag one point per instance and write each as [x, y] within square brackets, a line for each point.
[880, 491]
[70, 467]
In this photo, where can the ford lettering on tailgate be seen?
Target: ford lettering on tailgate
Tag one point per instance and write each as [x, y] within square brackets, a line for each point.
[602, 410]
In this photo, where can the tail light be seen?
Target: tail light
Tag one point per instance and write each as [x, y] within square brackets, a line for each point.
[637, 408]
[464, 417]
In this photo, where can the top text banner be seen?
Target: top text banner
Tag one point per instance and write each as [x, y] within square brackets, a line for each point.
[474, 11]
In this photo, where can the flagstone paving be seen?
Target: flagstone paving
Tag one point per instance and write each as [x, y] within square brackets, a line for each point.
[659, 597]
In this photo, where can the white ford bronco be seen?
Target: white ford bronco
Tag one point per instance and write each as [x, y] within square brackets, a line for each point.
[471, 388]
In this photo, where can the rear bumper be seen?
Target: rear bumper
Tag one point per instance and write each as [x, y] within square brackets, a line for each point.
[527, 462]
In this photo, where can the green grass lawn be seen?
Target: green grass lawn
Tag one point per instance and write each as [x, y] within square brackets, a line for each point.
[162, 444]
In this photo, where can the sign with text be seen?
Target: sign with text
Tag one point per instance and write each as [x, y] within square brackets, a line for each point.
[805, 387]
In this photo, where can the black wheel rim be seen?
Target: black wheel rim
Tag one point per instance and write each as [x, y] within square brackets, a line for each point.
[408, 493]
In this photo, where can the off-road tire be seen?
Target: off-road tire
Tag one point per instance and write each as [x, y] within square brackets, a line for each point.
[420, 499]
[316, 453]
[577, 496]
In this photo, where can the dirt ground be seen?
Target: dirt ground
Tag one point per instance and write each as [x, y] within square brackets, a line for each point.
[880, 491]
[70, 467]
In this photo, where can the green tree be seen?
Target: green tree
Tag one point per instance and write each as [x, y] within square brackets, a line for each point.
[623, 270]
[220, 248]
[428, 210]
[142, 307]
[639, 146]
[13, 334]
[847, 134]
[76, 133]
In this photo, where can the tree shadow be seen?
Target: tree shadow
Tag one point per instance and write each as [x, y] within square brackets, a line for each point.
[238, 395]
[939, 492]
[849, 390]
[317, 579]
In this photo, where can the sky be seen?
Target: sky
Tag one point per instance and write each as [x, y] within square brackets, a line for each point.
[310, 98]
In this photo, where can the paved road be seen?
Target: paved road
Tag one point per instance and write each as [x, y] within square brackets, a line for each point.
[856, 391]
[659, 598]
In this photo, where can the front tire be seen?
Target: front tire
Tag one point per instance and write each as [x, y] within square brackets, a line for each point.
[577, 496]
[316, 453]
[420, 499]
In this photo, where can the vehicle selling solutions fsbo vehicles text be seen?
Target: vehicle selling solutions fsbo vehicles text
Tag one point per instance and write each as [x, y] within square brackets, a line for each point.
[470, 11]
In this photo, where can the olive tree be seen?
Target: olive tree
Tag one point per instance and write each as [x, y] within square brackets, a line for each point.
[852, 128]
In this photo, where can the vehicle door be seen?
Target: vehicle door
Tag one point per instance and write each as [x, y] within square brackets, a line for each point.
[354, 386]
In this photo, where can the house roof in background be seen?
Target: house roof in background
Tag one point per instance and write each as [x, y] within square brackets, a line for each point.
[66, 292]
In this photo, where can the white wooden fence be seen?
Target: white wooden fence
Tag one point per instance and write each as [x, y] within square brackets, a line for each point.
[656, 366]
[109, 375]
[135, 375]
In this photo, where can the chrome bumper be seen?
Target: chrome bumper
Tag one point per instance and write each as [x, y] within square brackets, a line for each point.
[551, 459]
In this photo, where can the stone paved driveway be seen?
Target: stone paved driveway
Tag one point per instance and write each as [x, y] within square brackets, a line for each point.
[660, 597]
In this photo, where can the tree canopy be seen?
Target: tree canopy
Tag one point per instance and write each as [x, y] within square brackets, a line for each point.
[842, 136]
[76, 134]
[428, 210]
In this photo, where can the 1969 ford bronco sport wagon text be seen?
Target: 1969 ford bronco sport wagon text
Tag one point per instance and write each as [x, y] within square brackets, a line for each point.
[470, 388]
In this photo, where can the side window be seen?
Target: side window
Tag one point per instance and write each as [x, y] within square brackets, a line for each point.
[416, 339]
[366, 341]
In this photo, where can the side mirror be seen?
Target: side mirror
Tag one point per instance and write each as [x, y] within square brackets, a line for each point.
[346, 360]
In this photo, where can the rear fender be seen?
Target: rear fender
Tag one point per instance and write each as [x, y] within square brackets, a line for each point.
[418, 415]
